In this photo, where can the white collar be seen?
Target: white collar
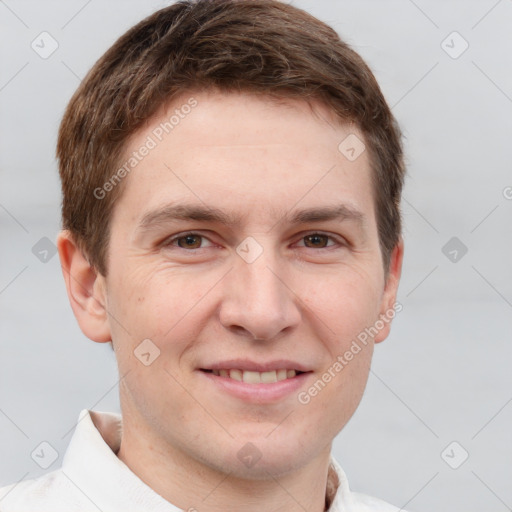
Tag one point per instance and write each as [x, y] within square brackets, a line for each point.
[92, 465]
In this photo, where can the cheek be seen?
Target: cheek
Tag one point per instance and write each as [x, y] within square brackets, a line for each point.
[346, 304]
[167, 309]
[337, 391]
[178, 306]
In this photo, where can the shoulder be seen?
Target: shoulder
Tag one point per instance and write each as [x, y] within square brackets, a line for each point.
[368, 503]
[346, 499]
[53, 492]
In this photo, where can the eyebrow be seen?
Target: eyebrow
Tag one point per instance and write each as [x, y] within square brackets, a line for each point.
[190, 212]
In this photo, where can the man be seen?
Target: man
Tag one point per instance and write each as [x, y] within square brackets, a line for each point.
[231, 181]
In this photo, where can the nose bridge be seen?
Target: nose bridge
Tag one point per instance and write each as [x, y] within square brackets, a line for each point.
[257, 298]
[263, 288]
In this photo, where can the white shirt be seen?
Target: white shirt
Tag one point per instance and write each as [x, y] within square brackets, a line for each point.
[93, 479]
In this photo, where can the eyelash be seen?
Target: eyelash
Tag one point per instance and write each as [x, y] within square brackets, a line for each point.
[169, 241]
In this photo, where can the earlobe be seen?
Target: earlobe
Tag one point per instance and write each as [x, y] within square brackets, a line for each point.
[389, 307]
[86, 290]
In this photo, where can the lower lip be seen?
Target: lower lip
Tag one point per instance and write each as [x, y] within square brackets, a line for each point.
[258, 393]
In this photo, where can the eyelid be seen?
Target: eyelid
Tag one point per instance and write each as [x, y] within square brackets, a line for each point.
[173, 238]
[336, 238]
[168, 242]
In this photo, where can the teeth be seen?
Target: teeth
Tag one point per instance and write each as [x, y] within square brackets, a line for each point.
[268, 376]
[236, 375]
[281, 374]
[250, 377]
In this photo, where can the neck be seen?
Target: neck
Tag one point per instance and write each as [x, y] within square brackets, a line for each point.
[195, 486]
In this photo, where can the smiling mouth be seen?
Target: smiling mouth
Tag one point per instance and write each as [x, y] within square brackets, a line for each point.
[252, 377]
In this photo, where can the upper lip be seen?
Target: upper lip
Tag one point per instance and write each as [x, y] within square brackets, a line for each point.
[253, 366]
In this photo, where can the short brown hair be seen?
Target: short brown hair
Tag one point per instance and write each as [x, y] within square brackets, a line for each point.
[256, 46]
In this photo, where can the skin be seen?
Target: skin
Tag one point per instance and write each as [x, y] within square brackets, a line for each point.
[302, 299]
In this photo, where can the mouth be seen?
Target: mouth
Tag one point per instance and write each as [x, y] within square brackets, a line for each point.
[257, 383]
[255, 377]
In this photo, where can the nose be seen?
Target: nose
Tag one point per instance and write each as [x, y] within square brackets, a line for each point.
[258, 302]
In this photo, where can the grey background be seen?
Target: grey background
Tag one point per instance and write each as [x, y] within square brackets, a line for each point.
[444, 373]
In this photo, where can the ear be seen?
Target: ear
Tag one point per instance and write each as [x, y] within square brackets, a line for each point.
[389, 308]
[86, 290]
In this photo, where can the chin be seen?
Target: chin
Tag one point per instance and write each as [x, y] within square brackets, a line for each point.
[261, 458]
[266, 468]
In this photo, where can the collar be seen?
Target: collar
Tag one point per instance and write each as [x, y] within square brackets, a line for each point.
[92, 465]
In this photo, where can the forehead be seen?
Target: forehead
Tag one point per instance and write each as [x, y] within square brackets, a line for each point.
[247, 153]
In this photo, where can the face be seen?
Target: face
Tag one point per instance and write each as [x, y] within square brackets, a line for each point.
[245, 248]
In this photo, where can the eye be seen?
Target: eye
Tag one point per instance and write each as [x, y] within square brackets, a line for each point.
[186, 241]
[193, 241]
[320, 241]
